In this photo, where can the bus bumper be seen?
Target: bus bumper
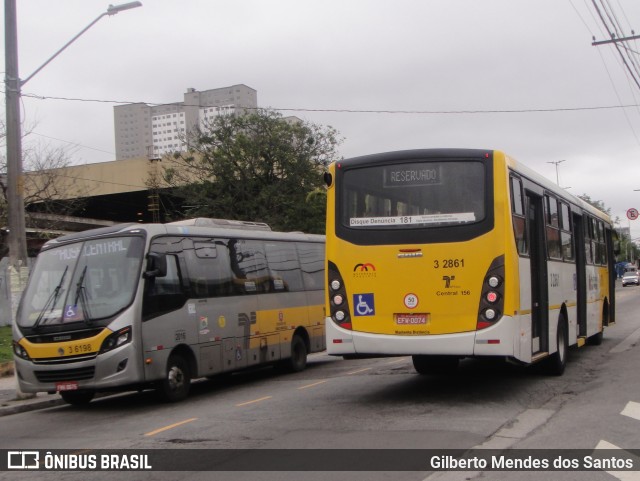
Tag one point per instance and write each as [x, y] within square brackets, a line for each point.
[498, 340]
[107, 371]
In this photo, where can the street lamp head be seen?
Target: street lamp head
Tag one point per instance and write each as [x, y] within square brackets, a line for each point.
[113, 9]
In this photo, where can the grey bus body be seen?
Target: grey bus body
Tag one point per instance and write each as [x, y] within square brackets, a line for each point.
[156, 305]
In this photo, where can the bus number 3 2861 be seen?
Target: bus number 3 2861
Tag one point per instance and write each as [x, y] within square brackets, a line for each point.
[448, 263]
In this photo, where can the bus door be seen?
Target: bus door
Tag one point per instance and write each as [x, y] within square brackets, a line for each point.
[581, 274]
[539, 287]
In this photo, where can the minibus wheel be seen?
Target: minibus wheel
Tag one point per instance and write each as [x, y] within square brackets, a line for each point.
[177, 380]
[77, 398]
[298, 359]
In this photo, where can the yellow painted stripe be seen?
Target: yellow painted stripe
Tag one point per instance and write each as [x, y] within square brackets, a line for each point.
[311, 385]
[358, 371]
[171, 426]
[254, 401]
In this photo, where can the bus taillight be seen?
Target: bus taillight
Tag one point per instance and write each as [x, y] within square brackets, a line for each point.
[338, 304]
[492, 297]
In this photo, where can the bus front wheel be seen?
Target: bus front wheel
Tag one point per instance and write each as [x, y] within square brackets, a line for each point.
[177, 380]
[558, 360]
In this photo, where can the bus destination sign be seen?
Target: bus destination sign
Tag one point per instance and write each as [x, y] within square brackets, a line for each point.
[411, 175]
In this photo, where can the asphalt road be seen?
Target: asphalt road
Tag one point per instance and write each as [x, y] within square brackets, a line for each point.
[368, 404]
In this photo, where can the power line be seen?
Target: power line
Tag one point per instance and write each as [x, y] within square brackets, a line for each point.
[363, 111]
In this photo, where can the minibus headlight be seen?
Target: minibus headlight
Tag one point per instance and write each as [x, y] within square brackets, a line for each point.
[20, 351]
[340, 315]
[116, 339]
[338, 299]
[335, 285]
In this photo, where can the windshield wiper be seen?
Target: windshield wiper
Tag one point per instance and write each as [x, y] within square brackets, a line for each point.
[51, 301]
[81, 294]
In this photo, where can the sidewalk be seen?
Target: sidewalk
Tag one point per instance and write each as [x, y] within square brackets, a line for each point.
[9, 404]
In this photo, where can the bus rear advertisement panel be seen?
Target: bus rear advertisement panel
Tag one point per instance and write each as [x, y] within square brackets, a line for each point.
[448, 253]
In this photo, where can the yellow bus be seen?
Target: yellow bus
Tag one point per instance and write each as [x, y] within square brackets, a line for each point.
[138, 306]
[444, 254]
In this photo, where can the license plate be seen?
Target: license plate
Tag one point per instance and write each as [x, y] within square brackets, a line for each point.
[412, 319]
[67, 386]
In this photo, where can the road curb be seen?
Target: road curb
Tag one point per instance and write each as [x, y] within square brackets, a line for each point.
[6, 368]
[10, 408]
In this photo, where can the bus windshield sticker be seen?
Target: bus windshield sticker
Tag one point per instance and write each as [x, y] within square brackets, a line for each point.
[411, 175]
[413, 219]
[71, 313]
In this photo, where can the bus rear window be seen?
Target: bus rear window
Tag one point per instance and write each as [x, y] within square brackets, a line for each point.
[414, 195]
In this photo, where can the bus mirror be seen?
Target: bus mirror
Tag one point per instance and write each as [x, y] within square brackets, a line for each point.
[328, 179]
[156, 265]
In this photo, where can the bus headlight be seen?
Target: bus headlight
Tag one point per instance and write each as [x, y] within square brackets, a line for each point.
[335, 285]
[116, 339]
[338, 299]
[339, 315]
[20, 351]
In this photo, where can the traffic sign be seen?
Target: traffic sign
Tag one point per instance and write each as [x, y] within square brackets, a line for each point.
[632, 214]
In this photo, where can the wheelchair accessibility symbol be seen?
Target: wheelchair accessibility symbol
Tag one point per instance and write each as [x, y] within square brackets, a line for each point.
[364, 305]
[71, 313]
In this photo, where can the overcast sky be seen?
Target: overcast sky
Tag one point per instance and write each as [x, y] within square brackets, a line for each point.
[439, 58]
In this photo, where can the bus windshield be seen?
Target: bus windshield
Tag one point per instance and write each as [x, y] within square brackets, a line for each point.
[82, 282]
[414, 195]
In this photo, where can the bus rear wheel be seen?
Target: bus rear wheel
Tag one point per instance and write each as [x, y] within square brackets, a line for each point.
[425, 364]
[558, 360]
[177, 381]
[77, 398]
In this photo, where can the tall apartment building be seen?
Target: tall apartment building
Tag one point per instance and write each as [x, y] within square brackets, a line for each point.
[142, 130]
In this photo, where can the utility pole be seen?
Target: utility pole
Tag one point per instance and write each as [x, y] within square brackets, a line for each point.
[17, 238]
[15, 195]
[615, 41]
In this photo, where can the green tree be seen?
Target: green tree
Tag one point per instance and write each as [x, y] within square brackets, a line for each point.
[258, 166]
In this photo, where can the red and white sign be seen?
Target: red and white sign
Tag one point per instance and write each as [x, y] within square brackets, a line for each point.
[632, 214]
[411, 301]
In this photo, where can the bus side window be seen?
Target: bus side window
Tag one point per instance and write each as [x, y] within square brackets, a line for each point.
[566, 236]
[554, 246]
[588, 236]
[284, 268]
[312, 265]
[517, 211]
[208, 266]
[164, 294]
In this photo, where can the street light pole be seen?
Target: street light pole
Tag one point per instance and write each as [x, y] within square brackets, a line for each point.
[556, 162]
[15, 196]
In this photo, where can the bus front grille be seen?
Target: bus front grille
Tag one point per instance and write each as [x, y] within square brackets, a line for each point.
[66, 375]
